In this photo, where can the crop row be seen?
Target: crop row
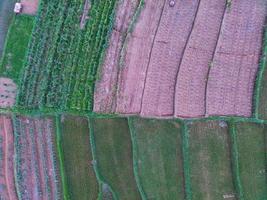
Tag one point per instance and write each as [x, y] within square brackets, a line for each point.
[63, 59]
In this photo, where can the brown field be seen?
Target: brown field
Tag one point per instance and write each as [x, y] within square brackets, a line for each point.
[7, 92]
[35, 164]
[29, 6]
[7, 185]
[190, 59]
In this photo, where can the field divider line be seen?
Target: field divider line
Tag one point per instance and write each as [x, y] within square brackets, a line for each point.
[150, 54]
[135, 163]
[122, 52]
[66, 195]
[213, 56]
[261, 70]
[97, 173]
[235, 160]
[186, 164]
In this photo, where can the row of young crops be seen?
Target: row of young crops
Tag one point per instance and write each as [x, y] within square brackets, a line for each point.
[63, 58]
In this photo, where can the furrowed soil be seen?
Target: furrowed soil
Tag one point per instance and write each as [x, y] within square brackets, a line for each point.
[114, 156]
[251, 147]
[135, 58]
[167, 50]
[35, 161]
[236, 59]
[7, 184]
[210, 162]
[78, 162]
[158, 157]
[105, 89]
[198, 54]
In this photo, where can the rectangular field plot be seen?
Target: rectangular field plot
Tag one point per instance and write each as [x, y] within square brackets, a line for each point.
[158, 157]
[114, 159]
[251, 146]
[16, 47]
[77, 158]
[209, 161]
[36, 164]
[63, 57]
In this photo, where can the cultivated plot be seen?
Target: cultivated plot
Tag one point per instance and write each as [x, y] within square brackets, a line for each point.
[210, 161]
[251, 147]
[7, 184]
[36, 164]
[114, 161]
[158, 158]
[77, 158]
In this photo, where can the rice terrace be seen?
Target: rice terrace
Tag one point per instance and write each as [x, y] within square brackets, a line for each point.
[133, 99]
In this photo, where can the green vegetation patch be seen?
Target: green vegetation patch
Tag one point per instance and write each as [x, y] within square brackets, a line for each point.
[77, 156]
[158, 157]
[251, 148]
[210, 161]
[114, 161]
[63, 56]
[16, 47]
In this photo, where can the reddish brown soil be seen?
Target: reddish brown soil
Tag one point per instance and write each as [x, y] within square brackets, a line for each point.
[29, 6]
[7, 185]
[38, 168]
[193, 72]
[7, 92]
[232, 75]
[105, 90]
[136, 57]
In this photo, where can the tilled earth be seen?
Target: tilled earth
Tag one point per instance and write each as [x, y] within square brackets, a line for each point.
[184, 59]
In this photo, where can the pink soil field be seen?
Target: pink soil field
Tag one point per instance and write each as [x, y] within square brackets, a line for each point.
[135, 59]
[29, 6]
[105, 93]
[167, 51]
[36, 166]
[233, 71]
[192, 58]
[197, 58]
[7, 184]
[7, 92]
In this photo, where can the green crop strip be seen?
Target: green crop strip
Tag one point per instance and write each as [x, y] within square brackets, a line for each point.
[61, 162]
[93, 149]
[135, 162]
[235, 160]
[259, 79]
[185, 148]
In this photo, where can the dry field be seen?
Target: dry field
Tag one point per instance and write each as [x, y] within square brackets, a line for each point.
[29, 6]
[187, 59]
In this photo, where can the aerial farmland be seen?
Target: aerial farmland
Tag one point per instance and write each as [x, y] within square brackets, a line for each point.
[133, 99]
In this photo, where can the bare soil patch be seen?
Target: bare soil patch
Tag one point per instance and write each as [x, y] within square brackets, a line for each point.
[7, 92]
[197, 59]
[168, 46]
[105, 90]
[7, 185]
[29, 6]
[232, 76]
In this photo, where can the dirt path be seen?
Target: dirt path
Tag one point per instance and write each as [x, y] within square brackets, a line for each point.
[197, 58]
[167, 51]
[105, 90]
[7, 190]
[29, 6]
[136, 57]
[232, 75]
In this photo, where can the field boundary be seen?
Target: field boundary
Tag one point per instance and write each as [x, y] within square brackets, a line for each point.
[97, 173]
[186, 164]
[61, 161]
[259, 76]
[235, 160]
[135, 163]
